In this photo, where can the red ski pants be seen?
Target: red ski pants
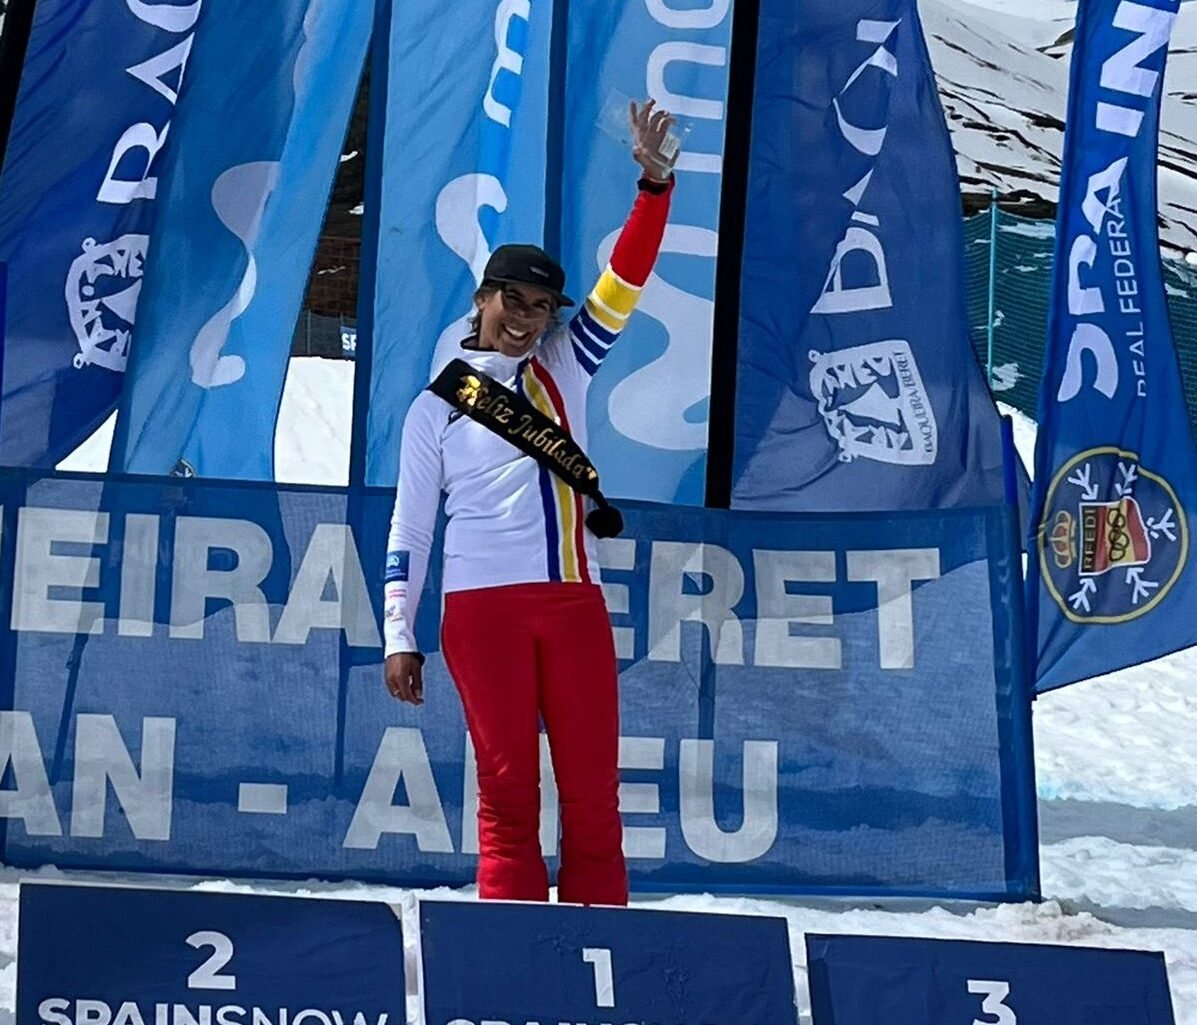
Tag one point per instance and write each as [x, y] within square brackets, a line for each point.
[519, 654]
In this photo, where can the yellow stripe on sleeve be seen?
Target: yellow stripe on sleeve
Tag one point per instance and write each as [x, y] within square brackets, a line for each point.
[609, 320]
[615, 294]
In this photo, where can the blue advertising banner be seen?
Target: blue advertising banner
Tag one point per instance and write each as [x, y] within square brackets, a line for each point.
[648, 405]
[872, 980]
[462, 172]
[489, 961]
[256, 144]
[857, 386]
[799, 712]
[1115, 464]
[82, 177]
[115, 954]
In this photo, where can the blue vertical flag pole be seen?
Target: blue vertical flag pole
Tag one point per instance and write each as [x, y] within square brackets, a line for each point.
[364, 353]
[1022, 860]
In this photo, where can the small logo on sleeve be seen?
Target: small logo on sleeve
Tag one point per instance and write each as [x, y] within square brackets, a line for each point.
[397, 566]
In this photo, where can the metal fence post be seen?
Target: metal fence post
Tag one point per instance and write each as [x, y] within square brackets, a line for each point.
[993, 222]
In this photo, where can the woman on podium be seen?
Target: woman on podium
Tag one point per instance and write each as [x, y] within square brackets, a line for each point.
[525, 632]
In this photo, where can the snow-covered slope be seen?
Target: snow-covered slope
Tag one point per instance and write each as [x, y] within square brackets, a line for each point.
[1005, 98]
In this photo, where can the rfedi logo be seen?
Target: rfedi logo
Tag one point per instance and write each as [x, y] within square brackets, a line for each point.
[874, 404]
[1113, 539]
[104, 281]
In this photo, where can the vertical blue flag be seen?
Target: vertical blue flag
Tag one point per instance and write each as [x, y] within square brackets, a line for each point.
[1115, 465]
[462, 172]
[80, 184]
[649, 402]
[857, 386]
[255, 147]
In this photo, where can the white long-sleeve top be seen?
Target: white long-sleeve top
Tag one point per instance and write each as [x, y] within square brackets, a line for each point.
[510, 520]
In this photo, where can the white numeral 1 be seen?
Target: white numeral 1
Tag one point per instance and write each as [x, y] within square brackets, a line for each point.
[205, 976]
[994, 993]
[599, 959]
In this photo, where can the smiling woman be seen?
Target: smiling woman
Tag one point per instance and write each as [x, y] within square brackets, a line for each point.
[525, 631]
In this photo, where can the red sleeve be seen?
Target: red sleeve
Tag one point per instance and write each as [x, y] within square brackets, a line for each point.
[640, 241]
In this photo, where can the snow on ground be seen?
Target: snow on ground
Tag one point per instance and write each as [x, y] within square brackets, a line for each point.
[1116, 762]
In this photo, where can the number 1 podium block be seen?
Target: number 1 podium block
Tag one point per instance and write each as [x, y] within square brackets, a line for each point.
[492, 963]
[110, 955]
[886, 980]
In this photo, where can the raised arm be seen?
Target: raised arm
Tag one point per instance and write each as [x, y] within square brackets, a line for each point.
[600, 319]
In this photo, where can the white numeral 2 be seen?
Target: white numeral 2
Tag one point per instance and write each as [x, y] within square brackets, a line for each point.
[994, 993]
[599, 959]
[205, 976]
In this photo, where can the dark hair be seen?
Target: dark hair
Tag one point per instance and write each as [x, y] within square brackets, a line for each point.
[483, 291]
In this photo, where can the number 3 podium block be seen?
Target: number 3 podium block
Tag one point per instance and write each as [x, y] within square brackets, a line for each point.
[92, 955]
[495, 963]
[885, 980]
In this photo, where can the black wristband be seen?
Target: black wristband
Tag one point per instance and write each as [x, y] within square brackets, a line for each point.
[654, 187]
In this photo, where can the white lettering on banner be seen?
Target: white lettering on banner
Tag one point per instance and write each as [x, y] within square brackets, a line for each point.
[682, 563]
[331, 552]
[506, 58]
[872, 295]
[640, 406]
[103, 319]
[894, 571]
[642, 753]
[690, 17]
[690, 53]
[30, 800]
[892, 420]
[777, 609]
[82, 1011]
[102, 758]
[461, 201]
[194, 582]
[39, 568]
[401, 756]
[223, 560]
[619, 553]
[1121, 72]
[758, 828]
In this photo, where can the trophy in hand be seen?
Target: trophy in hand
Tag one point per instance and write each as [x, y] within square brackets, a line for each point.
[655, 135]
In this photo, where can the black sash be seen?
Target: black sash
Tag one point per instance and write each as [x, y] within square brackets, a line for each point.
[514, 419]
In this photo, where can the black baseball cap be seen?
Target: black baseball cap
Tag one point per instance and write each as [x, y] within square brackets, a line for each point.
[527, 265]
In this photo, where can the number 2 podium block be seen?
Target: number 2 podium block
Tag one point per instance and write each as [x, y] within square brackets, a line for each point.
[108, 955]
[495, 963]
[885, 980]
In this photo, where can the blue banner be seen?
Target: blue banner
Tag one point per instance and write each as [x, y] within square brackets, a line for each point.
[81, 180]
[1115, 465]
[649, 403]
[799, 713]
[862, 980]
[114, 954]
[857, 386]
[257, 141]
[461, 172]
